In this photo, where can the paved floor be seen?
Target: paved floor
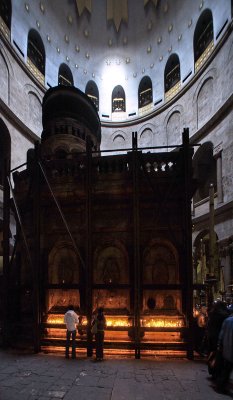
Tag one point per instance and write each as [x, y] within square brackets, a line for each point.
[52, 377]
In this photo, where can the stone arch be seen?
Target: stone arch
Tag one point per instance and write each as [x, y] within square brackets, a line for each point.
[63, 264]
[34, 112]
[176, 116]
[111, 267]
[211, 74]
[146, 134]
[160, 263]
[145, 138]
[111, 264]
[205, 102]
[4, 79]
[173, 129]
[161, 267]
[120, 140]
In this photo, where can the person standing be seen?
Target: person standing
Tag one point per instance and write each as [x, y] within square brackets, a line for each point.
[98, 325]
[216, 316]
[71, 319]
[225, 345]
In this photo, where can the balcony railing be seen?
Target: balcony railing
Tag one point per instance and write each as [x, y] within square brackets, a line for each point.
[34, 70]
[202, 59]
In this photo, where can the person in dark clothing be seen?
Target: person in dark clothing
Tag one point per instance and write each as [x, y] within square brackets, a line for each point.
[225, 345]
[199, 328]
[98, 325]
[216, 316]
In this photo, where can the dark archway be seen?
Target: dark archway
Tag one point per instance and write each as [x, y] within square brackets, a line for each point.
[36, 51]
[172, 72]
[145, 95]
[118, 99]
[65, 76]
[203, 34]
[93, 93]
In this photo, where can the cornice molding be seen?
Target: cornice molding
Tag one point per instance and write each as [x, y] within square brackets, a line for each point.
[219, 211]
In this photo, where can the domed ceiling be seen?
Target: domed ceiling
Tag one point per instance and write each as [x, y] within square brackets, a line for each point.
[105, 38]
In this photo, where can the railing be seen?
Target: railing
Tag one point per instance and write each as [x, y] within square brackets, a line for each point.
[202, 59]
[158, 164]
[34, 70]
[173, 91]
[145, 109]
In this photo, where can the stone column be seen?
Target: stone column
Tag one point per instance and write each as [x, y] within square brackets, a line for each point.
[212, 235]
[218, 156]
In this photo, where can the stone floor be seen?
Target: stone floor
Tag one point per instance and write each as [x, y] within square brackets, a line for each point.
[51, 377]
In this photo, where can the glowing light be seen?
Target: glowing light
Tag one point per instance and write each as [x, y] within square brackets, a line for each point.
[117, 321]
[58, 319]
[162, 322]
[155, 322]
[114, 73]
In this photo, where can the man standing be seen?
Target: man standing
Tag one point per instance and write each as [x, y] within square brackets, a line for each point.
[71, 319]
[225, 345]
[99, 323]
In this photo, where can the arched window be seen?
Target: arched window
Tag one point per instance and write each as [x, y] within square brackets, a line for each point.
[65, 76]
[5, 14]
[145, 92]
[204, 166]
[118, 99]
[36, 54]
[172, 74]
[93, 93]
[203, 41]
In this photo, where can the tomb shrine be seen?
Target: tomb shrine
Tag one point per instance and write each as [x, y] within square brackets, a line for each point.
[94, 230]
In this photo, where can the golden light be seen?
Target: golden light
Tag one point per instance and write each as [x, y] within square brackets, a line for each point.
[114, 322]
[165, 322]
[58, 319]
[118, 321]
